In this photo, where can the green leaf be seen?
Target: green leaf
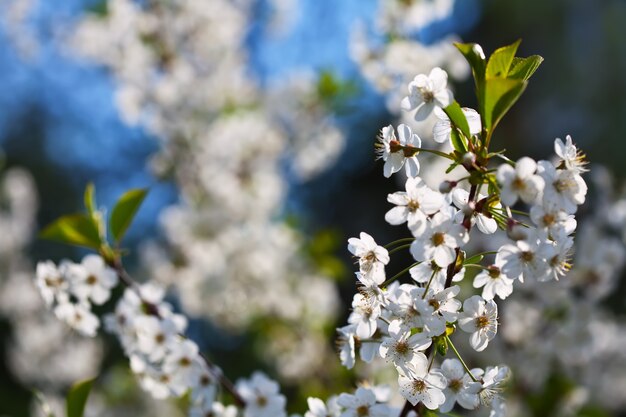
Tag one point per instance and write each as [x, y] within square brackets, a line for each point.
[428, 413]
[474, 259]
[452, 166]
[499, 95]
[500, 61]
[74, 229]
[90, 198]
[524, 68]
[77, 398]
[475, 56]
[125, 210]
[457, 118]
[458, 143]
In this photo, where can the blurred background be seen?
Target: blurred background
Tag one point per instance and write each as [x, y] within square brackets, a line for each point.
[253, 122]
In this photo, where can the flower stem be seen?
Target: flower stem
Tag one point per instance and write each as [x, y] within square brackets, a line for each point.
[399, 248]
[399, 274]
[458, 355]
[395, 242]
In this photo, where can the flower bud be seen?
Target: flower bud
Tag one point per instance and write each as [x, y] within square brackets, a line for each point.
[515, 230]
[469, 159]
[447, 186]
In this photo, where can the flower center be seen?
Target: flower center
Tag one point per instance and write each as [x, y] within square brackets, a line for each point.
[455, 385]
[438, 239]
[92, 280]
[363, 411]
[413, 206]
[527, 256]
[434, 304]
[184, 362]
[482, 322]
[427, 95]
[419, 385]
[159, 338]
[402, 347]
[548, 219]
[493, 271]
[261, 401]
[518, 184]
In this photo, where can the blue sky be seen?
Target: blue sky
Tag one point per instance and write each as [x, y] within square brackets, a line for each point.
[84, 135]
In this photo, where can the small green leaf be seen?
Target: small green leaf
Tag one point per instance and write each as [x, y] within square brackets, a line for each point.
[500, 61]
[77, 398]
[474, 259]
[90, 198]
[74, 229]
[457, 118]
[441, 346]
[428, 413]
[524, 68]
[125, 210]
[452, 166]
[499, 95]
[458, 143]
[475, 56]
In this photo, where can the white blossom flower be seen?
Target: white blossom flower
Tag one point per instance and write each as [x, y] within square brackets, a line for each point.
[481, 217]
[443, 128]
[414, 205]
[555, 220]
[364, 315]
[346, 345]
[564, 189]
[92, 279]
[479, 317]
[571, 157]
[427, 92]
[399, 151]
[362, 403]
[492, 381]
[262, 397]
[317, 408]
[494, 283]
[50, 281]
[401, 347]
[523, 259]
[437, 308]
[460, 388]
[372, 257]
[155, 336]
[183, 365]
[420, 385]
[519, 182]
[439, 240]
[78, 316]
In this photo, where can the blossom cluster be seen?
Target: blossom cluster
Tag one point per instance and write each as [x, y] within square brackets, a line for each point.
[230, 144]
[71, 289]
[406, 323]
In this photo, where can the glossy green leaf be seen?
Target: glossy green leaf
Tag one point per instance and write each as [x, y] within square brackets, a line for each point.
[499, 95]
[74, 229]
[90, 198]
[474, 259]
[77, 398]
[524, 68]
[124, 211]
[457, 118]
[500, 61]
[458, 143]
[475, 56]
